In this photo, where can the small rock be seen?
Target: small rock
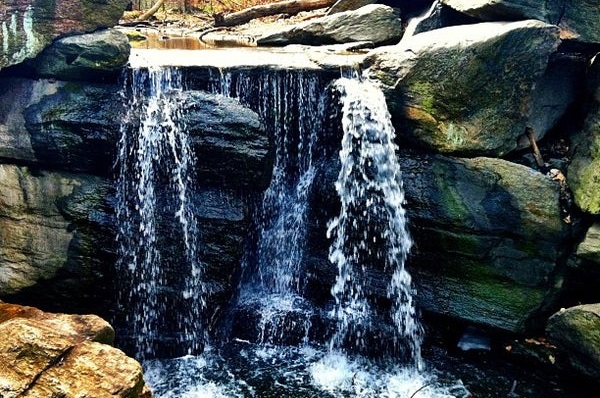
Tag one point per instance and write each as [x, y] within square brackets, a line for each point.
[576, 334]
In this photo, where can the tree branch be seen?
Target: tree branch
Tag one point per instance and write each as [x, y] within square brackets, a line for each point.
[151, 11]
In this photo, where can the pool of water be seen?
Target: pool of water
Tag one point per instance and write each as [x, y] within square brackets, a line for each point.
[241, 369]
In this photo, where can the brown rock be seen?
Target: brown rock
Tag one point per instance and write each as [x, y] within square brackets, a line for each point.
[54, 355]
[82, 327]
[91, 370]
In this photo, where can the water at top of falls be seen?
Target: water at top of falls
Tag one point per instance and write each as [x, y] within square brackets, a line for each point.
[154, 152]
[370, 231]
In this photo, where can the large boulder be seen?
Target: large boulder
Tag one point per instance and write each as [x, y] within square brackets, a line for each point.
[47, 355]
[494, 10]
[375, 23]
[584, 170]
[488, 237]
[466, 90]
[93, 56]
[576, 334]
[578, 19]
[29, 26]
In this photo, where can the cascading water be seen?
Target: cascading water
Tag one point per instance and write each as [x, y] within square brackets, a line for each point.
[370, 231]
[155, 166]
[292, 106]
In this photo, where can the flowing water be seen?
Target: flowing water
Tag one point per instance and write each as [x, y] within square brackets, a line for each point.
[162, 291]
[291, 104]
[370, 231]
[154, 148]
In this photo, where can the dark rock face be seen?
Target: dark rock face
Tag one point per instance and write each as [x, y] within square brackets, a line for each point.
[68, 132]
[488, 237]
[229, 141]
[584, 170]
[29, 26]
[497, 268]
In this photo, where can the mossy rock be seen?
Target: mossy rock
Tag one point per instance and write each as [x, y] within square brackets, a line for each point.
[465, 90]
[576, 333]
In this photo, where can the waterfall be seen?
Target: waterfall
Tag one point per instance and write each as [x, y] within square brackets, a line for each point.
[370, 232]
[154, 184]
[291, 104]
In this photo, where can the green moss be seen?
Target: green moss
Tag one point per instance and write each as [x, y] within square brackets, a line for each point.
[456, 136]
[451, 200]
[424, 93]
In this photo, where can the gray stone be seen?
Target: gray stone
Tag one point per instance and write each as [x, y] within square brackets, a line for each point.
[589, 248]
[348, 5]
[92, 56]
[578, 19]
[228, 139]
[376, 23]
[29, 26]
[557, 90]
[576, 334]
[77, 127]
[502, 10]
[437, 17]
[466, 90]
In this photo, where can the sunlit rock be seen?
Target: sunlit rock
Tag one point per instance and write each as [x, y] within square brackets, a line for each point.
[28, 26]
[93, 56]
[576, 333]
[465, 90]
[578, 19]
[376, 23]
[43, 355]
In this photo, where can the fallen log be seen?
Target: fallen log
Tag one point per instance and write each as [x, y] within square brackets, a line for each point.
[264, 10]
[151, 11]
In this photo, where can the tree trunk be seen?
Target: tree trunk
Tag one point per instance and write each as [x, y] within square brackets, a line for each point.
[151, 11]
[283, 7]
